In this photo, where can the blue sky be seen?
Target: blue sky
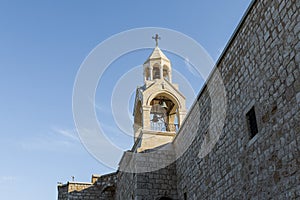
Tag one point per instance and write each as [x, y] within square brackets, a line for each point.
[43, 44]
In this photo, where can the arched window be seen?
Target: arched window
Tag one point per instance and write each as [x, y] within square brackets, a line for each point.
[137, 119]
[166, 73]
[156, 72]
[147, 74]
[163, 114]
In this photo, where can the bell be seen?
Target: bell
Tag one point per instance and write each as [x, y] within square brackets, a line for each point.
[155, 118]
[164, 105]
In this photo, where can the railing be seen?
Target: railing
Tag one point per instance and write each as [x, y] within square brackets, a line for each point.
[160, 126]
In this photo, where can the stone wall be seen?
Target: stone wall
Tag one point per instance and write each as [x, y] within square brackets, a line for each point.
[126, 186]
[75, 190]
[260, 67]
[155, 183]
[101, 189]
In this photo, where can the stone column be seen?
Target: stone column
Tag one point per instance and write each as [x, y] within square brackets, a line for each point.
[146, 117]
[145, 73]
[182, 115]
[170, 76]
[161, 72]
[151, 73]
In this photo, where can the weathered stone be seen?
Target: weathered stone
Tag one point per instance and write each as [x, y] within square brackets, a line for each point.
[298, 97]
[297, 57]
[297, 28]
[297, 85]
[260, 70]
[276, 177]
[289, 93]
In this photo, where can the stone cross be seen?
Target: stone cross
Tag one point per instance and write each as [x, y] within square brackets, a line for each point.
[156, 38]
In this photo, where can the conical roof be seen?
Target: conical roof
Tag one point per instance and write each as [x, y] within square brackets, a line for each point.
[157, 54]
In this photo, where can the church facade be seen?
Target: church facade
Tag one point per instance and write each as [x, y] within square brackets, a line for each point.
[184, 155]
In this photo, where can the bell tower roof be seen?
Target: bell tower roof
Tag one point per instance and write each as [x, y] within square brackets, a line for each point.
[157, 66]
[157, 54]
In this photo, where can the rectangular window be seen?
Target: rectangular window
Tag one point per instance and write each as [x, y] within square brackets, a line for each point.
[252, 124]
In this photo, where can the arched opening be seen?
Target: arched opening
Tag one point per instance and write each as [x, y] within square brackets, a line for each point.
[109, 192]
[156, 72]
[166, 73]
[163, 114]
[138, 118]
[147, 74]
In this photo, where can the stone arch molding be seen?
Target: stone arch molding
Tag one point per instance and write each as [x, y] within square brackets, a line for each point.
[166, 94]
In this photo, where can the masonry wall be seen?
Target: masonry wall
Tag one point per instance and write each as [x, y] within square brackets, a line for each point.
[260, 68]
[155, 183]
[126, 187]
[102, 189]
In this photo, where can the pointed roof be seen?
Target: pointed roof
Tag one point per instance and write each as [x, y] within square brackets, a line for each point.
[157, 54]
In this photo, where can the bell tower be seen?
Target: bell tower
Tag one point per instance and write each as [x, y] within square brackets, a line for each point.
[159, 107]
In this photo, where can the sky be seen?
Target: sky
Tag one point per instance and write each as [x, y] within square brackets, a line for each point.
[42, 45]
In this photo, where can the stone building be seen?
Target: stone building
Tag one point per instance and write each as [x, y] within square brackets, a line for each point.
[254, 153]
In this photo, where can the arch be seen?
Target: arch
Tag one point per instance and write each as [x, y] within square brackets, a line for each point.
[138, 113]
[164, 93]
[138, 118]
[109, 188]
[108, 192]
[166, 72]
[164, 113]
[156, 71]
[147, 74]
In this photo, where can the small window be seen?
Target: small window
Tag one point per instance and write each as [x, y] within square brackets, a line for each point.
[252, 124]
[185, 196]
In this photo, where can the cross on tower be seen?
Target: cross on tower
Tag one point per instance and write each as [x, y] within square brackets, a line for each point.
[156, 38]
